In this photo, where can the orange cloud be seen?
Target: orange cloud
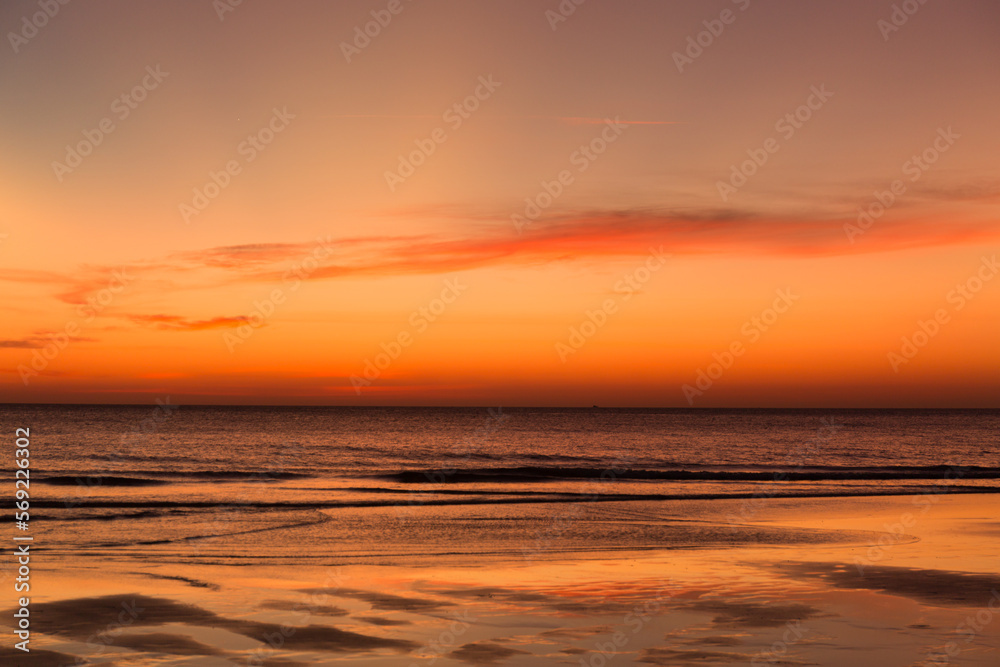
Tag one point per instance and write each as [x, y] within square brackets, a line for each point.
[178, 323]
[39, 340]
[570, 237]
[620, 234]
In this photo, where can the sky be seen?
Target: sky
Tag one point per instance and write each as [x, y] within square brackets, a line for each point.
[659, 204]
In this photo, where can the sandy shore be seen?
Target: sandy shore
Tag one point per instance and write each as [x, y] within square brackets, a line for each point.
[846, 581]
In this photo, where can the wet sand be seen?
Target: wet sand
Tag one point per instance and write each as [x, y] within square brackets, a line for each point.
[846, 581]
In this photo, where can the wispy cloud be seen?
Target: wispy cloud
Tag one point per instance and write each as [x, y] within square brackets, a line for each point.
[245, 256]
[596, 235]
[40, 339]
[179, 323]
[567, 120]
[980, 190]
[74, 288]
[22, 343]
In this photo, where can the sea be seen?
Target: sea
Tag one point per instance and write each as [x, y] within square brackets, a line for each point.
[400, 485]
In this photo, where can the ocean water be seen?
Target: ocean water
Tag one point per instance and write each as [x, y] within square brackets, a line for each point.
[238, 485]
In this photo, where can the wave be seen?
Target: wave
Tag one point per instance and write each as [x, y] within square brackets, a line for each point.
[158, 477]
[102, 480]
[527, 456]
[487, 498]
[117, 516]
[555, 473]
[540, 473]
[160, 458]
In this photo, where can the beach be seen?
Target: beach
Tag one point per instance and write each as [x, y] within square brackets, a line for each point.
[894, 580]
[440, 536]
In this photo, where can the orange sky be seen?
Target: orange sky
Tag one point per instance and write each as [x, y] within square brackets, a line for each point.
[318, 251]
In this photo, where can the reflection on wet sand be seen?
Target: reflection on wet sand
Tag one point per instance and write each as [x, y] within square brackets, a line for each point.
[754, 615]
[103, 619]
[780, 602]
[933, 586]
[484, 653]
[37, 658]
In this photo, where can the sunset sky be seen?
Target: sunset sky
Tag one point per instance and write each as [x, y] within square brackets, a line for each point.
[124, 281]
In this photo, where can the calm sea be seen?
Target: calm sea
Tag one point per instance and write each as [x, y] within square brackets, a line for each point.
[246, 484]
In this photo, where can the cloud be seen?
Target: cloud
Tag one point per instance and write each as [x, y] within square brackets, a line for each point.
[566, 120]
[28, 343]
[980, 190]
[40, 339]
[244, 256]
[32, 276]
[493, 241]
[178, 323]
[73, 288]
[601, 235]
